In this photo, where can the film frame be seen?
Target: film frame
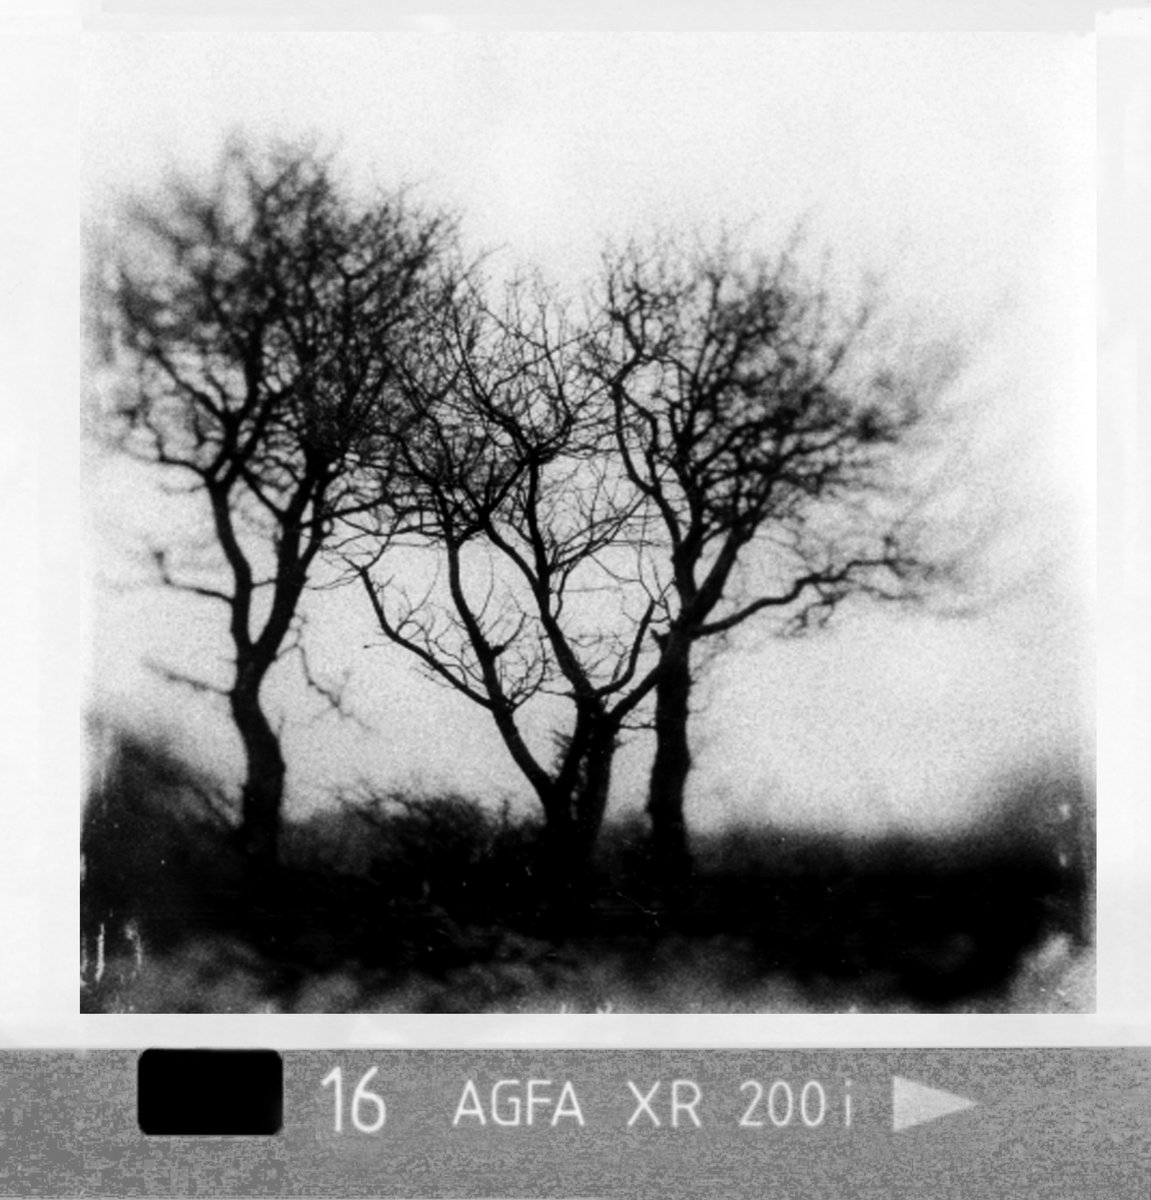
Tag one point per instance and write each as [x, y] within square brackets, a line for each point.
[1121, 981]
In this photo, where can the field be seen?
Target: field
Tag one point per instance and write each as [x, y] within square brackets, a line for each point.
[391, 902]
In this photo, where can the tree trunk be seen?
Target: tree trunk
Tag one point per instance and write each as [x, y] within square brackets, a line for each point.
[263, 793]
[562, 870]
[669, 849]
[594, 786]
[574, 813]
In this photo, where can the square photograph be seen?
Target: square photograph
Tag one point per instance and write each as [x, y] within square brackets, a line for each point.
[588, 524]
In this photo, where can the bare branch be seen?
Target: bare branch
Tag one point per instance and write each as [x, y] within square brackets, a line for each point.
[185, 680]
[160, 557]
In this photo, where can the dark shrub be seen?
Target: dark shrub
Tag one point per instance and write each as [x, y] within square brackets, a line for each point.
[157, 851]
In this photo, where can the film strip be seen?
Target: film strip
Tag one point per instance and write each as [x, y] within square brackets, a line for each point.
[552, 1124]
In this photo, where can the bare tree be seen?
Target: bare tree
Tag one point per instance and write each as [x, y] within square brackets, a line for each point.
[765, 435]
[509, 480]
[250, 325]
[713, 442]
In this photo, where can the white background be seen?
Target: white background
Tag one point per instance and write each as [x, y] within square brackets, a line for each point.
[912, 169]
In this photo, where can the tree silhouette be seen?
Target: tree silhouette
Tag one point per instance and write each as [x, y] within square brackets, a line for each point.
[250, 325]
[712, 442]
[764, 433]
[508, 478]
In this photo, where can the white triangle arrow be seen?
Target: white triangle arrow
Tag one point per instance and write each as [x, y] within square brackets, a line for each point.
[913, 1103]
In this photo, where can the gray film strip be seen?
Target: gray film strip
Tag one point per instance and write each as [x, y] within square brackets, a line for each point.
[565, 1123]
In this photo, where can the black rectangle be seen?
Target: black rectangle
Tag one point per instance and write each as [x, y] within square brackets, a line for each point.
[210, 1092]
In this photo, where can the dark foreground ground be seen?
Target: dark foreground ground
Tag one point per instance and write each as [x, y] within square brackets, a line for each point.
[393, 903]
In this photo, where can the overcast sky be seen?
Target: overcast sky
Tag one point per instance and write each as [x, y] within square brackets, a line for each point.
[959, 166]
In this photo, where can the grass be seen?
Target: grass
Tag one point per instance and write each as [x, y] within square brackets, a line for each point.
[222, 977]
